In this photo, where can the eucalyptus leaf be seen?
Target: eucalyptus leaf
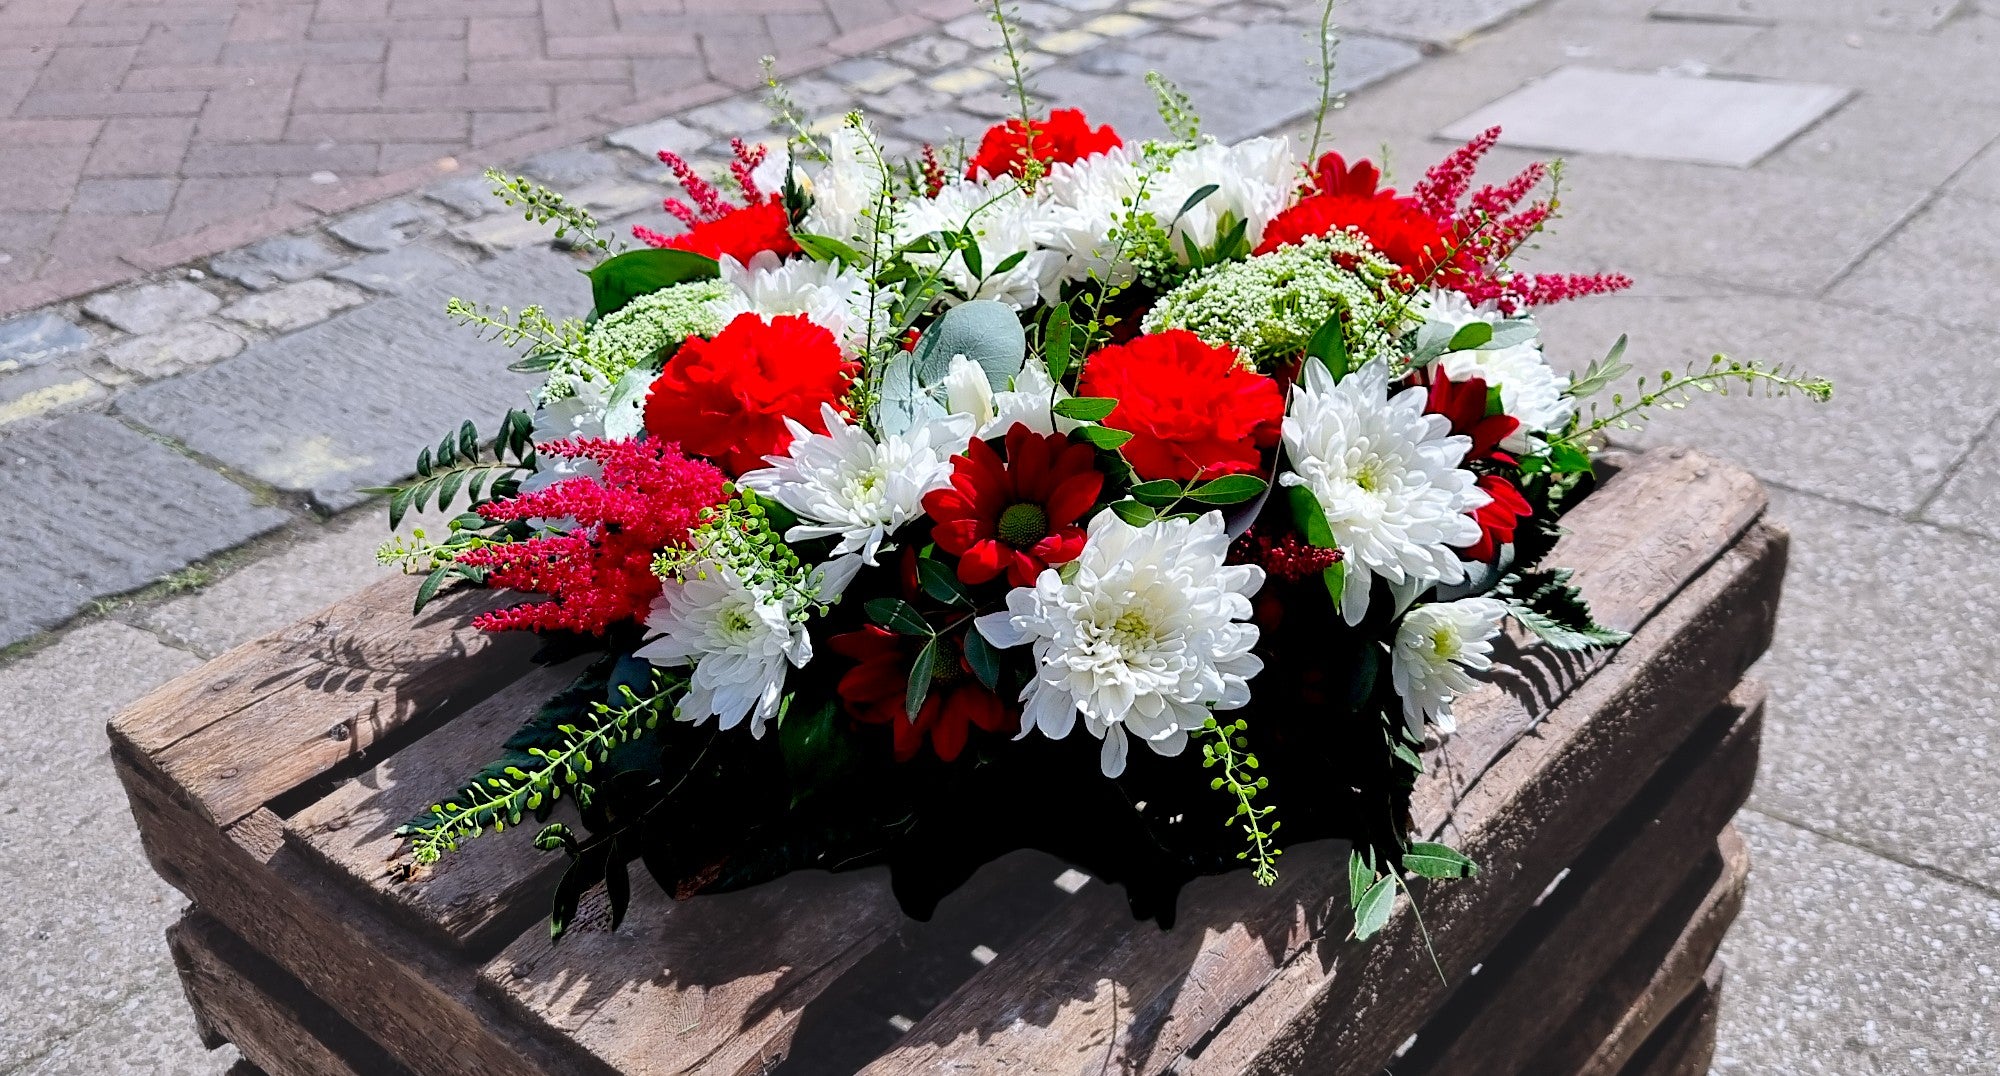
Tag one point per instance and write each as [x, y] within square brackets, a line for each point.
[982, 330]
[1471, 337]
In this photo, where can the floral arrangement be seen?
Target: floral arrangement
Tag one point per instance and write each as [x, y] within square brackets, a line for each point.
[1147, 503]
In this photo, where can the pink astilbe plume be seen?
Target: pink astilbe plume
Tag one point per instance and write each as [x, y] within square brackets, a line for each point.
[744, 167]
[934, 177]
[599, 573]
[717, 227]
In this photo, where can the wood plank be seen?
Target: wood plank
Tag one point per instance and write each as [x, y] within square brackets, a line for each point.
[1685, 1044]
[476, 900]
[420, 1004]
[275, 1023]
[306, 702]
[1245, 965]
[1584, 758]
[1637, 1006]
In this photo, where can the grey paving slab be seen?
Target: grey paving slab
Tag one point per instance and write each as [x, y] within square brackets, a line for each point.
[386, 226]
[648, 139]
[150, 1034]
[505, 231]
[1877, 443]
[33, 339]
[348, 402]
[1235, 100]
[1871, 137]
[1653, 116]
[277, 260]
[1843, 963]
[396, 271]
[1884, 722]
[564, 169]
[471, 196]
[46, 390]
[1981, 178]
[80, 930]
[152, 307]
[1954, 64]
[1941, 265]
[1971, 499]
[169, 351]
[1847, 14]
[293, 306]
[1759, 230]
[1432, 22]
[94, 509]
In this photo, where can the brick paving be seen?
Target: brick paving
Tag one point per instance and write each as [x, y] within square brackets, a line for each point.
[139, 134]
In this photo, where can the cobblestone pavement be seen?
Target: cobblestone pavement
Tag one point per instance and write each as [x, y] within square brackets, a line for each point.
[179, 454]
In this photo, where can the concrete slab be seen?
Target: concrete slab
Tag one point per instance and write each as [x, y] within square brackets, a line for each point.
[1877, 443]
[1870, 137]
[1439, 23]
[1884, 724]
[149, 1034]
[348, 402]
[94, 509]
[1652, 116]
[1848, 14]
[1971, 499]
[1955, 64]
[1844, 963]
[1942, 265]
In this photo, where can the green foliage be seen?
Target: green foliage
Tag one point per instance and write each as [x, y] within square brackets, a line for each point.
[1438, 861]
[1602, 372]
[556, 751]
[1227, 747]
[1017, 80]
[1672, 391]
[543, 339]
[1177, 112]
[1086, 408]
[459, 462]
[542, 205]
[619, 280]
[1328, 41]
[1548, 604]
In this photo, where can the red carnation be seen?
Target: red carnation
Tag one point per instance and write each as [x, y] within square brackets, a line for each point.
[600, 572]
[1403, 233]
[739, 233]
[876, 688]
[728, 398]
[1497, 518]
[1464, 404]
[1193, 409]
[1019, 516]
[1062, 138]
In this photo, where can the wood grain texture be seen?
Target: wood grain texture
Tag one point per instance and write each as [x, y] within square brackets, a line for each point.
[275, 1023]
[302, 703]
[1685, 1043]
[1245, 965]
[477, 900]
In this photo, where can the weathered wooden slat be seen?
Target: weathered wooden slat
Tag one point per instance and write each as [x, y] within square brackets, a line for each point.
[274, 1022]
[1628, 1007]
[1585, 757]
[418, 1003]
[1685, 1043]
[476, 900]
[1088, 985]
[286, 709]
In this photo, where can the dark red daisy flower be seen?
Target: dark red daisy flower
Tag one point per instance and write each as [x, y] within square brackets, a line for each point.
[1019, 515]
[875, 689]
[1498, 518]
[1463, 404]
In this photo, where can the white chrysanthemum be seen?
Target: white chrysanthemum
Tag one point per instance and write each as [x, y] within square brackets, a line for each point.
[1437, 647]
[739, 637]
[834, 297]
[844, 190]
[1147, 637]
[1253, 180]
[845, 484]
[1086, 202]
[1387, 477]
[1530, 389]
[1030, 402]
[1006, 222]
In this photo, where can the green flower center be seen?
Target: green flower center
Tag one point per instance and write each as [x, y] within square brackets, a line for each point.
[945, 668]
[1022, 525]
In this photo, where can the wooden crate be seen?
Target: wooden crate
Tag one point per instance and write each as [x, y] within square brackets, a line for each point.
[1594, 790]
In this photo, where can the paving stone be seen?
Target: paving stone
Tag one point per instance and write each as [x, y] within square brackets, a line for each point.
[735, 118]
[931, 53]
[44, 391]
[943, 127]
[648, 139]
[1953, 65]
[1432, 22]
[33, 339]
[470, 196]
[508, 231]
[869, 74]
[169, 351]
[903, 101]
[1235, 100]
[293, 306]
[1843, 963]
[81, 928]
[1876, 443]
[347, 403]
[1884, 724]
[613, 198]
[152, 307]
[279, 259]
[94, 509]
[1849, 14]
[1971, 499]
[1871, 137]
[977, 30]
[395, 271]
[152, 1033]
[386, 226]
[1941, 264]
[1652, 116]
[564, 169]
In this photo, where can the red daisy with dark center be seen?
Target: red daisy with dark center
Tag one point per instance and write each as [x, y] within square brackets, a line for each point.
[875, 692]
[1017, 515]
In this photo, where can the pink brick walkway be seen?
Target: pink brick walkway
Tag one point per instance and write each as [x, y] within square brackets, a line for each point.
[139, 134]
